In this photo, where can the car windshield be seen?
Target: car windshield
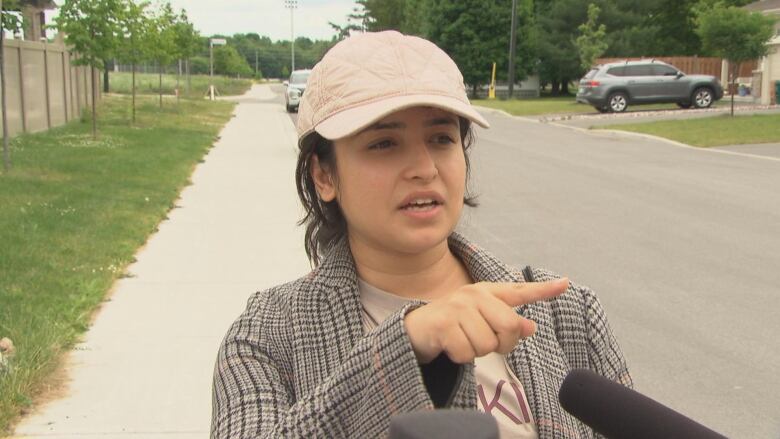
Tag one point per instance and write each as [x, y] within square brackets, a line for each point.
[299, 78]
[591, 74]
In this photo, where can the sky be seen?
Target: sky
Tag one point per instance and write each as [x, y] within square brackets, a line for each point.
[265, 17]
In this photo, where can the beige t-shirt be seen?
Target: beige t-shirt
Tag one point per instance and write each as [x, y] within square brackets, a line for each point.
[499, 392]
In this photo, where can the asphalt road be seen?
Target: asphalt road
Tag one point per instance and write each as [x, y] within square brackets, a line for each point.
[681, 244]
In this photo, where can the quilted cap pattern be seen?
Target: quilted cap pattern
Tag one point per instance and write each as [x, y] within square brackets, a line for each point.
[370, 75]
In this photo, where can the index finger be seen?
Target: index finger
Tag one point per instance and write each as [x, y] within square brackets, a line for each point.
[521, 293]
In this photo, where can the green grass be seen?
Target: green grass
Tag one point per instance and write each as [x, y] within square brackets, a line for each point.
[73, 212]
[560, 105]
[712, 131]
[148, 83]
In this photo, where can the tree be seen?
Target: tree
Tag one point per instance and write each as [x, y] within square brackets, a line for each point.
[734, 34]
[592, 40]
[92, 28]
[10, 22]
[187, 41]
[227, 61]
[466, 30]
[559, 60]
[135, 25]
[160, 40]
[382, 15]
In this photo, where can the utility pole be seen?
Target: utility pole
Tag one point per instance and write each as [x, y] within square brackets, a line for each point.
[512, 38]
[292, 5]
[255, 63]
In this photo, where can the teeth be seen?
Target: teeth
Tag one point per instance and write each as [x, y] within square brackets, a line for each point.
[421, 208]
[422, 201]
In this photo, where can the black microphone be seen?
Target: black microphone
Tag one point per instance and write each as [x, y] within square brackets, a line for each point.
[617, 412]
[443, 424]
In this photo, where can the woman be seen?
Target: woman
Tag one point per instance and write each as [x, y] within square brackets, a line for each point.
[401, 313]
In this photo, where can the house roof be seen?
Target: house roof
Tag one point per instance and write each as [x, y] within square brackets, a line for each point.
[764, 5]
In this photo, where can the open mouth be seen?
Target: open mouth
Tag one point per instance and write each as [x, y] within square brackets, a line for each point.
[421, 206]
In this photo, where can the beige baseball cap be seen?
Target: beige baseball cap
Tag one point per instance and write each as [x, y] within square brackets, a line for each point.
[370, 75]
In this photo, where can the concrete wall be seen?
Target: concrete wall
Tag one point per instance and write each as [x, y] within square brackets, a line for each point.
[43, 88]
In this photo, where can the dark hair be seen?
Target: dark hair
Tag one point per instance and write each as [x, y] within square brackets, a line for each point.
[325, 223]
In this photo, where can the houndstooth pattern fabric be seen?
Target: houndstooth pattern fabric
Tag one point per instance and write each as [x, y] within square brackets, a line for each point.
[297, 363]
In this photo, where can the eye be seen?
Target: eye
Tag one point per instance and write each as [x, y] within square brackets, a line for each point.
[443, 139]
[382, 144]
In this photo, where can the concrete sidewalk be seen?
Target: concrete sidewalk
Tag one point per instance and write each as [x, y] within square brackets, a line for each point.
[144, 368]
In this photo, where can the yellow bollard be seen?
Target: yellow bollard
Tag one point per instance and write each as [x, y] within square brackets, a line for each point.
[492, 88]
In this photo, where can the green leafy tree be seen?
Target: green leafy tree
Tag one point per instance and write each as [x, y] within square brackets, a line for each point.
[592, 41]
[559, 58]
[382, 15]
[227, 61]
[160, 41]
[415, 12]
[135, 25]
[10, 22]
[187, 40]
[92, 28]
[630, 30]
[734, 34]
[467, 31]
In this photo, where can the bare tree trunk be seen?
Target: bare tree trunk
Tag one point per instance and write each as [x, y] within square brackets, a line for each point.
[189, 79]
[6, 149]
[734, 73]
[159, 70]
[556, 86]
[94, 103]
[105, 76]
[178, 75]
[133, 87]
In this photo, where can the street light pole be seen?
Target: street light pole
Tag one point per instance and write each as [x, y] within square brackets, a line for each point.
[512, 38]
[213, 42]
[292, 5]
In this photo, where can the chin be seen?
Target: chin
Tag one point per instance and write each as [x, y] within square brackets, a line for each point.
[419, 241]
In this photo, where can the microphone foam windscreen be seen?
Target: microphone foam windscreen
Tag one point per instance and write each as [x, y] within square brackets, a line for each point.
[617, 412]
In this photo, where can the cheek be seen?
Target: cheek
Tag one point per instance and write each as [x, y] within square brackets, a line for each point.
[365, 186]
[454, 171]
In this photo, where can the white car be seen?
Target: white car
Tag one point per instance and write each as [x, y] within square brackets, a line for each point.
[295, 88]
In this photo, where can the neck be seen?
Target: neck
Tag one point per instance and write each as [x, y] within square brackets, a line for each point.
[425, 276]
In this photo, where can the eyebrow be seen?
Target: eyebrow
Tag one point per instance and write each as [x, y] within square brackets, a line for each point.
[437, 121]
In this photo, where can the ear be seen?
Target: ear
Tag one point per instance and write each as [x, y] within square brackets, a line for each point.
[323, 180]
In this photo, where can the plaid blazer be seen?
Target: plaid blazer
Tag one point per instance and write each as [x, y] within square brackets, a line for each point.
[297, 363]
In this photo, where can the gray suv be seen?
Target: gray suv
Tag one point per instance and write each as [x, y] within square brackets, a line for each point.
[615, 86]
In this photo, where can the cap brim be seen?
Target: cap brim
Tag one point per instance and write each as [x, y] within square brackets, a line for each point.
[351, 120]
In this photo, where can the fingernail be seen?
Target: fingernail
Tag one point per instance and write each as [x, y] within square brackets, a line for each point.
[563, 280]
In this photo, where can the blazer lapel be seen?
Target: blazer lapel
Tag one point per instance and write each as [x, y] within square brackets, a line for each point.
[327, 319]
[539, 360]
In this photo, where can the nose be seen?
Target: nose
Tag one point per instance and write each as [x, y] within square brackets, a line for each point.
[421, 165]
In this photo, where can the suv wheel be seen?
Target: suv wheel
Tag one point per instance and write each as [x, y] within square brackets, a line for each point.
[702, 97]
[617, 102]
